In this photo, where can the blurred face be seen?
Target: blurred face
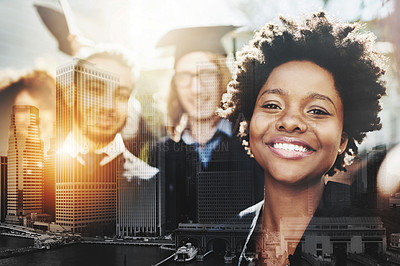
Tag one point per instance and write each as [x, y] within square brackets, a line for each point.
[103, 108]
[46, 110]
[296, 127]
[196, 80]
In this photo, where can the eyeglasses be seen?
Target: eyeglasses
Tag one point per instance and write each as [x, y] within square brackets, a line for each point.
[208, 78]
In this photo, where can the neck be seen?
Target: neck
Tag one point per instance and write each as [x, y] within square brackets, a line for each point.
[202, 130]
[282, 200]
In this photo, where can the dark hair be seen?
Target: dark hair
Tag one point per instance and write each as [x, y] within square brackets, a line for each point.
[38, 83]
[117, 54]
[337, 47]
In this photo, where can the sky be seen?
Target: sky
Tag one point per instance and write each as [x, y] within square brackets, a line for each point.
[137, 25]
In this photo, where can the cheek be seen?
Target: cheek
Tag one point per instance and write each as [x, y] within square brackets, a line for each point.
[182, 95]
[122, 109]
[88, 105]
[212, 104]
[258, 127]
[182, 98]
[330, 136]
[259, 124]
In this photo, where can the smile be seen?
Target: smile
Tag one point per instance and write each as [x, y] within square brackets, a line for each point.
[290, 148]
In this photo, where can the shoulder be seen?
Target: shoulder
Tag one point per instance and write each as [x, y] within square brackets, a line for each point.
[335, 200]
[167, 145]
[334, 186]
[232, 143]
[135, 167]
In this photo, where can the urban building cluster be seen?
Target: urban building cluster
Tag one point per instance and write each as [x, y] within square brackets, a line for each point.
[57, 189]
[65, 191]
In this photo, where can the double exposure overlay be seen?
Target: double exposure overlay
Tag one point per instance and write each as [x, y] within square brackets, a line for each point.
[201, 132]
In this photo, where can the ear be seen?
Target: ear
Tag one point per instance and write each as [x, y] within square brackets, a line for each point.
[343, 142]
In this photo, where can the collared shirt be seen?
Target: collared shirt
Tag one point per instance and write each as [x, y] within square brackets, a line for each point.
[205, 153]
[255, 210]
[133, 166]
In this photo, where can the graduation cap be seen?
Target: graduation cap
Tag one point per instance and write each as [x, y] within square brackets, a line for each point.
[62, 26]
[57, 24]
[193, 39]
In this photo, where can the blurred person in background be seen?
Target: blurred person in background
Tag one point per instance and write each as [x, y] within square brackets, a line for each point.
[199, 141]
[35, 88]
[135, 132]
[63, 26]
[94, 151]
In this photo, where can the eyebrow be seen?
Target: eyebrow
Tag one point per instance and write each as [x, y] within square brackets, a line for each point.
[274, 91]
[310, 96]
[123, 88]
[320, 97]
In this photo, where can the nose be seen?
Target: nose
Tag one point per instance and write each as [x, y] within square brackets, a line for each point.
[291, 121]
[195, 85]
[109, 100]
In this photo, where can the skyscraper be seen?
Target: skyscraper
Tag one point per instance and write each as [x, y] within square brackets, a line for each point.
[85, 191]
[140, 203]
[49, 203]
[221, 195]
[3, 188]
[25, 164]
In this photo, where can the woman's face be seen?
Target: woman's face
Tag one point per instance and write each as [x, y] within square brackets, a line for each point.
[197, 80]
[296, 127]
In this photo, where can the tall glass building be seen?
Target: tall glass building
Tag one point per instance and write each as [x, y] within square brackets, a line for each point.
[116, 196]
[3, 188]
[25, 164]
[49, 174]
[85, 191]
[141, 202]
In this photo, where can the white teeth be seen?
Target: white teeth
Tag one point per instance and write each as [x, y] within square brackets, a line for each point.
[290, 147]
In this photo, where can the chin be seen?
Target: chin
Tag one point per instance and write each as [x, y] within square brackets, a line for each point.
[294, 177]
[204, 116]
[103, 135]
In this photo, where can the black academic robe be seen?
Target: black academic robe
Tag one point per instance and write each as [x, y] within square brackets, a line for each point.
[225, 184]
[87, 194]
[330, 205]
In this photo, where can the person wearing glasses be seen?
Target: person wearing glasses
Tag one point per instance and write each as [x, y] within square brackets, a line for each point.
[201, 145]
[199, 142]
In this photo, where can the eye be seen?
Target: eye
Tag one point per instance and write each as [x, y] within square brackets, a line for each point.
[94, 87]
[318, 111]
[98, 89]
[122, 94]
[123, 97]
[207, 74]
[270, 106]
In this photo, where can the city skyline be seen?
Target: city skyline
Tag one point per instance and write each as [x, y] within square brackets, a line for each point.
[148, 193]
[25, 164]
[109, 204]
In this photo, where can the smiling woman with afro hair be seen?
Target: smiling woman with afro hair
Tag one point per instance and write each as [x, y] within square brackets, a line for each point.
[304, 93]
[339, 48]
